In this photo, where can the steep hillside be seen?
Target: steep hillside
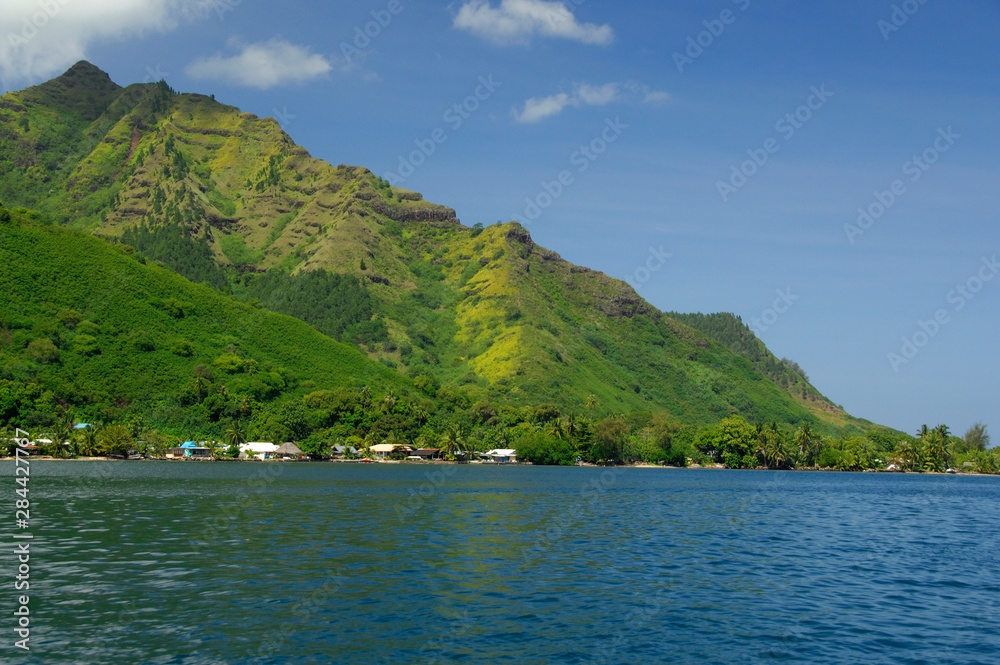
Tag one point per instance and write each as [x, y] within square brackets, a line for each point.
[228, 199]
[87, 326]
[730, 331]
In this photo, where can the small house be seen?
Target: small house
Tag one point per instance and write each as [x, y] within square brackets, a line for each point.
[341, 452]
[427, 453]
[258, 449]
[190, 449]
[502, 456]
[385, 450]
[289, 449]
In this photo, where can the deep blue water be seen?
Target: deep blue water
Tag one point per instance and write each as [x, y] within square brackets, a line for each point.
[285, 563]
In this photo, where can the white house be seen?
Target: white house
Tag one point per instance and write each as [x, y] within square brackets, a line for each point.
[260, 450]
[502, 456]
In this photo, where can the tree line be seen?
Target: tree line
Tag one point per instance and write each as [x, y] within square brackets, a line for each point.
[542, 434]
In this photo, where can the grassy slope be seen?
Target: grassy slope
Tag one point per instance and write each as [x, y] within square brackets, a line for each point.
[45, 269]
[491, 312]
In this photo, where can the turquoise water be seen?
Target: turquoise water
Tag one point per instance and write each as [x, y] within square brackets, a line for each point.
[284, 563]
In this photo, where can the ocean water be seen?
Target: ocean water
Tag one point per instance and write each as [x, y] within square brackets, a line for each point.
[194, 563]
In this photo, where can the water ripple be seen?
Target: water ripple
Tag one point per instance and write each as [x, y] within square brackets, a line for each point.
[205, 564]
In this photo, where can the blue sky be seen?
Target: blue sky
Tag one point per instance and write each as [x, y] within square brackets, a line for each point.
[896, 80]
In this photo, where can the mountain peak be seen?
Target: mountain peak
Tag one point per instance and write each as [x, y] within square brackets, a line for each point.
[83, 68]
[84, 89]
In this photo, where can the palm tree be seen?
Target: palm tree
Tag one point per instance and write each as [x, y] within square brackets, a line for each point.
[62, 435]
[985, 462]
[235, 436]
[591, 403]
[451, 441]
[935, 451]
[420, 415]
[772, 447]
[200, 388]
[366, 397]
[89, 440]
[389, 402]
[571, 426]
[906, 454]
[805, 440]
[367, 443]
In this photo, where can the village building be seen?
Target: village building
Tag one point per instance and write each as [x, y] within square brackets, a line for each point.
[258, 449]
[189, 449]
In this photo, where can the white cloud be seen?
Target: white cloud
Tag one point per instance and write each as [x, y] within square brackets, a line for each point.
[517, 21]
[42, 39]
[597, 95]
[647, 94]
[262, 65]
[537, 109]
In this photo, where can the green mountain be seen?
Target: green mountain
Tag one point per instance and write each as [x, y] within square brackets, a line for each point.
[228, 199]
[87, 325]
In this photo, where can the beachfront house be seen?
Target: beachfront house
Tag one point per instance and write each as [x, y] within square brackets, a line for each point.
[387, 450]
[189, 449]
[289, 451]
[427, 453]
[258, 449]
[342, 452]
[502, 456]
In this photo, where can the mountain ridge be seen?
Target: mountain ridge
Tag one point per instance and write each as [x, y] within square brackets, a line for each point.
[481, 309]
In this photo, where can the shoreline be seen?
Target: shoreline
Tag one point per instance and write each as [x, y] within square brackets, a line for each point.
[712, 467]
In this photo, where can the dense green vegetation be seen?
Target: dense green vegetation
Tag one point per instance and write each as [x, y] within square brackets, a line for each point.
[455, 322]
[730, 331]
[178, 249]
[89, 330]
[337, 305]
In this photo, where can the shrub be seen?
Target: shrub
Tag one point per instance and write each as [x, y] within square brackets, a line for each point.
[143, 343]
[176, 308]
[69, 318]
[85, 345]
[43, 350]
[229, 363]
[182, 348]
[544, 449]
